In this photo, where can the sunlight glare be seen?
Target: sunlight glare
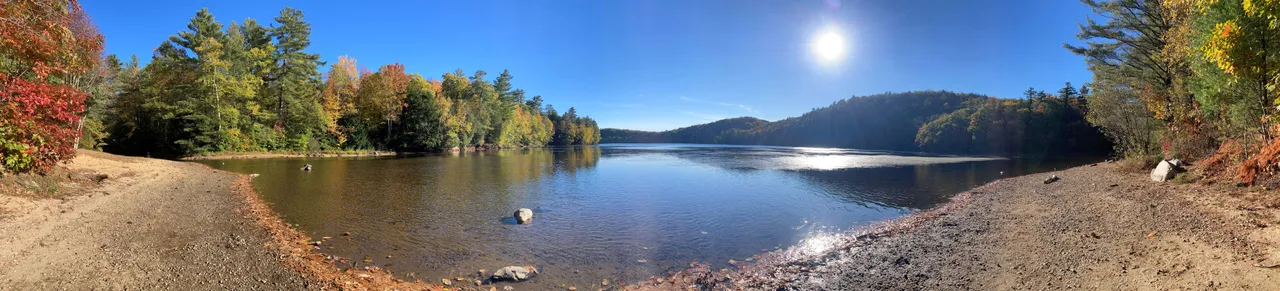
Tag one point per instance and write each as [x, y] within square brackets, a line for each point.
[829, 45]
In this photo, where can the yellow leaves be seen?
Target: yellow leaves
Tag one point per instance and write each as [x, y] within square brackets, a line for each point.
[1221, 46]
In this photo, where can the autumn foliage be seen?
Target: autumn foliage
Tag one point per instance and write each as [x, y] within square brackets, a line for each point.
[37, 123]
[46, 46]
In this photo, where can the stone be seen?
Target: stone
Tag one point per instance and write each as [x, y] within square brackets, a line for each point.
[307, 168]
[1052, 179]
[446, 282]
[1164, 172]
[524, 216]
[514, 273]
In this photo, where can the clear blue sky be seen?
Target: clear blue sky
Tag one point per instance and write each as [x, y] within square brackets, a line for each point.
[657, 65]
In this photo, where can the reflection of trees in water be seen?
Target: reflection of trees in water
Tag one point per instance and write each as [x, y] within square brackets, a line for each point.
[925, 186]
[570, 159]
[915, 187]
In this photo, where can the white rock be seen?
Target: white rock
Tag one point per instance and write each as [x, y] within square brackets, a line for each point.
[1163, 172]
[514, 273]
[524, 216]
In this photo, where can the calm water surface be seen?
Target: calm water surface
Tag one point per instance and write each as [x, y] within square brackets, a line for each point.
[623, 212]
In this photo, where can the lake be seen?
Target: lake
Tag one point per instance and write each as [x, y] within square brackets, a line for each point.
[622, 212]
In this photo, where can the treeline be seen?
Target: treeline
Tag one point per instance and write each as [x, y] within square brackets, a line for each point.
[1192, 79]
[248, 87]
[930, 121]
[239, 87]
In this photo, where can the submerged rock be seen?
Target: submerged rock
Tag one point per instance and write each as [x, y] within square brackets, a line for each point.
[1164, 172]
[514, 273]
[524, 216]
[307, 167]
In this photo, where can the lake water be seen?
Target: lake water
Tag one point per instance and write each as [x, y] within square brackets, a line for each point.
[622, 212]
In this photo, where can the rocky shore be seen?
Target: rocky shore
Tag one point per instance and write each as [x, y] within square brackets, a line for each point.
[1094, 228]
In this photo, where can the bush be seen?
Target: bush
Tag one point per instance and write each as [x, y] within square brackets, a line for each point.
[37, 124]
[1139, 163]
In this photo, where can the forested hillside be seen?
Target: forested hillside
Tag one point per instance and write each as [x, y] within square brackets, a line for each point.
[931, 121]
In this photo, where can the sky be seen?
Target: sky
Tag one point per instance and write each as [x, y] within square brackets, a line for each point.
[659, 65]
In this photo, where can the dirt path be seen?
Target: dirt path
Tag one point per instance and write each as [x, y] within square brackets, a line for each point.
[1095, 229]
[153, 224]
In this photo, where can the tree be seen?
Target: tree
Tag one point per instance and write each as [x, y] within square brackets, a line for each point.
[45, 47]
[339, 95]
[424, 119]
[535, 103]
[1133, 49]
[295, 81]
[1237, 75]
[381, 96]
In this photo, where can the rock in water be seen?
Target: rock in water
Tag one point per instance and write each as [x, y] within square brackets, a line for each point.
[307, 167]
[1163, 172]
[514, 273]
[524, 216]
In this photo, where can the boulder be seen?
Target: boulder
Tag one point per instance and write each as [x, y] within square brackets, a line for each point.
[307, 167]
[514, 273]
[1164, 172]
[524, 216]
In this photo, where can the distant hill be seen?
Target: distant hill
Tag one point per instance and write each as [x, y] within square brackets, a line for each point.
[931, 121]
[710, 133]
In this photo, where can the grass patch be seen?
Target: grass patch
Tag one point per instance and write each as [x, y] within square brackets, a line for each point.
[1138, 164]
[59, 183]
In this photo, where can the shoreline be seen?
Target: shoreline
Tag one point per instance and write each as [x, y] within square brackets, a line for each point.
[297, 251]
[354, 154]
[267, 155]
[1096, 228]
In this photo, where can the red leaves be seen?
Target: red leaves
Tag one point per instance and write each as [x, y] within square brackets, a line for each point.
[48, 43]
[40, 116]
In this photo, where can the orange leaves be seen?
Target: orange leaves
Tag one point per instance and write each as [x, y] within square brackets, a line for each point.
[48, 37]
[381, 94]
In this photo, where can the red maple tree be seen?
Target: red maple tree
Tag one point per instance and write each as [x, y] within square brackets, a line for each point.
[45, 47]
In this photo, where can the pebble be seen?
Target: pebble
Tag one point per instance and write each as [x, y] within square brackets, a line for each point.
[446, 282]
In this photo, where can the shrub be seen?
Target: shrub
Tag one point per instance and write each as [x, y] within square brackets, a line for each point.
[37, 124]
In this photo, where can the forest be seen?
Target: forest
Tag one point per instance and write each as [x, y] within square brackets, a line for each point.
[1189, 79]
[925, 121]
[241, 87]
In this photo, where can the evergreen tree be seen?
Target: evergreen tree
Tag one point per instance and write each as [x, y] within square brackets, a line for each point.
[295, 82]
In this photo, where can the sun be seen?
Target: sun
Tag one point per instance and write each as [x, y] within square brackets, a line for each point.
[829, 45]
